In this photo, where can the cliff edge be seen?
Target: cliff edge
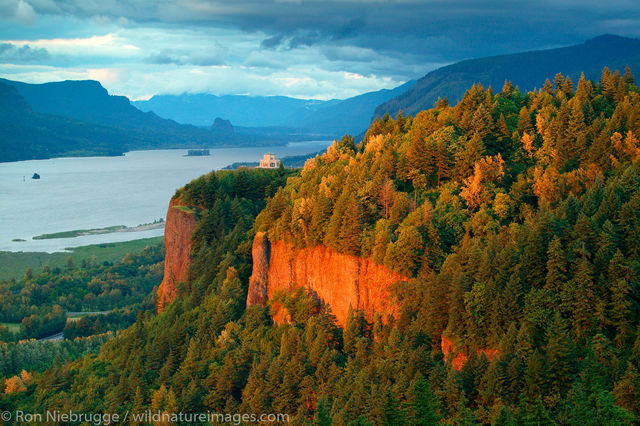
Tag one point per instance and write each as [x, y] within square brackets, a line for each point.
[179, 226]
[336, 279]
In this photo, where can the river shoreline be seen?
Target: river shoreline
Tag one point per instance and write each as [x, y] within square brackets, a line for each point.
[98, 231]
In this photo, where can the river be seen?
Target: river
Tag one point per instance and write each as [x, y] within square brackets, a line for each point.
[96, 192]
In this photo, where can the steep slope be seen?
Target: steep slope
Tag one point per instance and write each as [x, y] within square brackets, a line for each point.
[514, 216]
[526, 70]
[180, 224]
[25, 134]
[340, 281]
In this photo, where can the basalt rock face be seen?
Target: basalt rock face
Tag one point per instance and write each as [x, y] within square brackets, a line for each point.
[261, 254]
[458, 359]
[336, 279]
[179, 226]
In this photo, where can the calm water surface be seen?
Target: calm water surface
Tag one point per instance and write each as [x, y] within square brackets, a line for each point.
[95, 192]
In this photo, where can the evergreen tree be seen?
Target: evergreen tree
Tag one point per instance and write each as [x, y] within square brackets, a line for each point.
[558, 356]
[620, 310]
[322, 416]
[556, 266]
[423, 407]
[583, 298]
[534, 376]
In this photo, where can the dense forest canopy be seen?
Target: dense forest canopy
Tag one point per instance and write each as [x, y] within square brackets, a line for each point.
[514, 215]
[39, 300]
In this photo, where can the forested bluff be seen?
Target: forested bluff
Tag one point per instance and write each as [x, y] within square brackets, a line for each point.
[485, 260]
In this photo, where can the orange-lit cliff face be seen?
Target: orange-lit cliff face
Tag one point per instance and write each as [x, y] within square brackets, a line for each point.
[458, 359]
[179, 226]
[338, 280]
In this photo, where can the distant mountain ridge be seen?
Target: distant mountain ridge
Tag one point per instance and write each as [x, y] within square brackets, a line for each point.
[27, 134]
[88, 101]
[351, 115]
[525, 70]
[199, 109]
[335, 117]
[80, 118]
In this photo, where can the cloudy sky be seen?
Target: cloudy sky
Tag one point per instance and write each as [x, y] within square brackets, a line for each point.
[308, 49]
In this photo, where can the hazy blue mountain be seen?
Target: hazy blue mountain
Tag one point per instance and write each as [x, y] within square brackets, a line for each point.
[351, 115]
[26, 134]
[248, 111]
[525, 70]
[334, 117]
[88, 101]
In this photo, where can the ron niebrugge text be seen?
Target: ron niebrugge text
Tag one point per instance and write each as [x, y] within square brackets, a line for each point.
[100, 419]
[64, 416]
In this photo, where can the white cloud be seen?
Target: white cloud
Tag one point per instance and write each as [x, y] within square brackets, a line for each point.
[108, 44]
[146, 79]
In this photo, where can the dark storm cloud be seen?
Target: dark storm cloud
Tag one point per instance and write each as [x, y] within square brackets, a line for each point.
[10, 53]
[435, 29]
[306, 48]
[272, 42]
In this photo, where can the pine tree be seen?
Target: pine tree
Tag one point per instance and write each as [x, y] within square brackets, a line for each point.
[583, 91]
[583, 298]
[558, 355]
[404, 255]
[466, 159]
[504, 418]
[423, 407]
[349, 234]
[556, 267]
[534, 376]
[567, 86]
[606, 246]
[463, 415]
[418, 155]
[491, 386]
[527, 144]
[558, 82]
[440, 149]
[387, 194]
[627, 390]
[620, 312]
[502, 127]
[391, 411]
[524, 122]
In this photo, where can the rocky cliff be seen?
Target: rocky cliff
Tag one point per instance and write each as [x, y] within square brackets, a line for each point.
[458, 359]
[338, 280]
[179, 226]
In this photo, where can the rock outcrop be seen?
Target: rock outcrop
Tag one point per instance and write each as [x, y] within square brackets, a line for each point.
[336, 279]
[179, 226]
[458, 359]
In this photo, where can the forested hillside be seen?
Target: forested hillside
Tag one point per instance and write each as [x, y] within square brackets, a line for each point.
[527, 70]
[516, 217]
[26, 134]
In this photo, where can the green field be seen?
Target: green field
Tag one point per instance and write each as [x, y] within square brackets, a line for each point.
[14, 264]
